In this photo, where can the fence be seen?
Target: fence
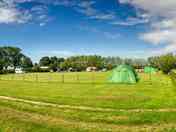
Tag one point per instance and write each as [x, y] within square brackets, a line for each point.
[91, 77]
[81, 77]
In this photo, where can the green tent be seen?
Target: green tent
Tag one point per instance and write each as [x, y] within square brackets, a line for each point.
[124, 74]
[149, 69]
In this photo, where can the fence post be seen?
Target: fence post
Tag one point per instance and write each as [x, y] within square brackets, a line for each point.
[12, 77]
[49, 78]
[93, 78]
[77, 77]
[23, 77]
[36, 77]
[63, 78]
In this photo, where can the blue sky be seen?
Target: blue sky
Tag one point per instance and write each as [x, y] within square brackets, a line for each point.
[126, 28]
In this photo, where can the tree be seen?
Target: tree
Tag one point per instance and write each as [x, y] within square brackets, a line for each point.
[26, 62]
[139, 63]
[45, 61]
[60, 60]
[154, 61]
[12, 55]
[55, 63]
[167, 63]
[36, 68]
[128, 61]
[65, 65]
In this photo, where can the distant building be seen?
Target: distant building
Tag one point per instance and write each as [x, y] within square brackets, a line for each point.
[19, 70]
[104, 70]
[70, 69]
[91, 69]
[140, 70]
[44, 67]
[10, 68]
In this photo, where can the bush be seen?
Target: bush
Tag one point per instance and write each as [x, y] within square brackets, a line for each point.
[167, 63]
[7, 71]
[173, 76]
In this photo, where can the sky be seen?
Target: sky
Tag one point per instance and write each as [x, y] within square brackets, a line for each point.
[63, 28]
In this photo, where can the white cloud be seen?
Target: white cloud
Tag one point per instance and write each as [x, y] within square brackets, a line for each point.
[42, 24]
[10, 14]
[86, 4]
[111, 35]
[162, 15]
[106, 34]
[130, 22]
[159, 37]
[40, 13]
[87, 8]
[86, 11]
[165, 8]
[103, 16]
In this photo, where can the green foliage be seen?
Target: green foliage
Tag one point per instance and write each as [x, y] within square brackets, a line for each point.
[52, 62]
[173, 76]
[80, 63]
[12, 56]
[154, 61]
[25, 62]
[165, 62]
[44, 61]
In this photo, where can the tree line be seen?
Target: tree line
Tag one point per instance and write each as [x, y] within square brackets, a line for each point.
[80, 63]
[13, 57]
[165, 63]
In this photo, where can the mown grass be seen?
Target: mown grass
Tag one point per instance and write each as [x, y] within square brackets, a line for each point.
[25, 117]
[154, 94]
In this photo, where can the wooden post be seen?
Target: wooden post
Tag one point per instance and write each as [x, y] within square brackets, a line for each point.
[63, 81]
[23, 77]
[77, 77]
[150, 77]
[93, 78]
[49, 78]
[36, 77]
[12, 77]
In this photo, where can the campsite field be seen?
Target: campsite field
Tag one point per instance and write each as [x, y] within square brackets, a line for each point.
[48, 102]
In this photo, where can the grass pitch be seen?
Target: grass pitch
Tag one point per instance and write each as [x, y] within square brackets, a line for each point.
[86, 90]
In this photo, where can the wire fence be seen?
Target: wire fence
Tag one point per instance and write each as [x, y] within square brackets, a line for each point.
[58, 77]
[81, 78]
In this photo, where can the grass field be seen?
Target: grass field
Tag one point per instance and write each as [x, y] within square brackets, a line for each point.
[86, 102]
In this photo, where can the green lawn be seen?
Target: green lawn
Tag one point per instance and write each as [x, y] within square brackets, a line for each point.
[90, 90]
